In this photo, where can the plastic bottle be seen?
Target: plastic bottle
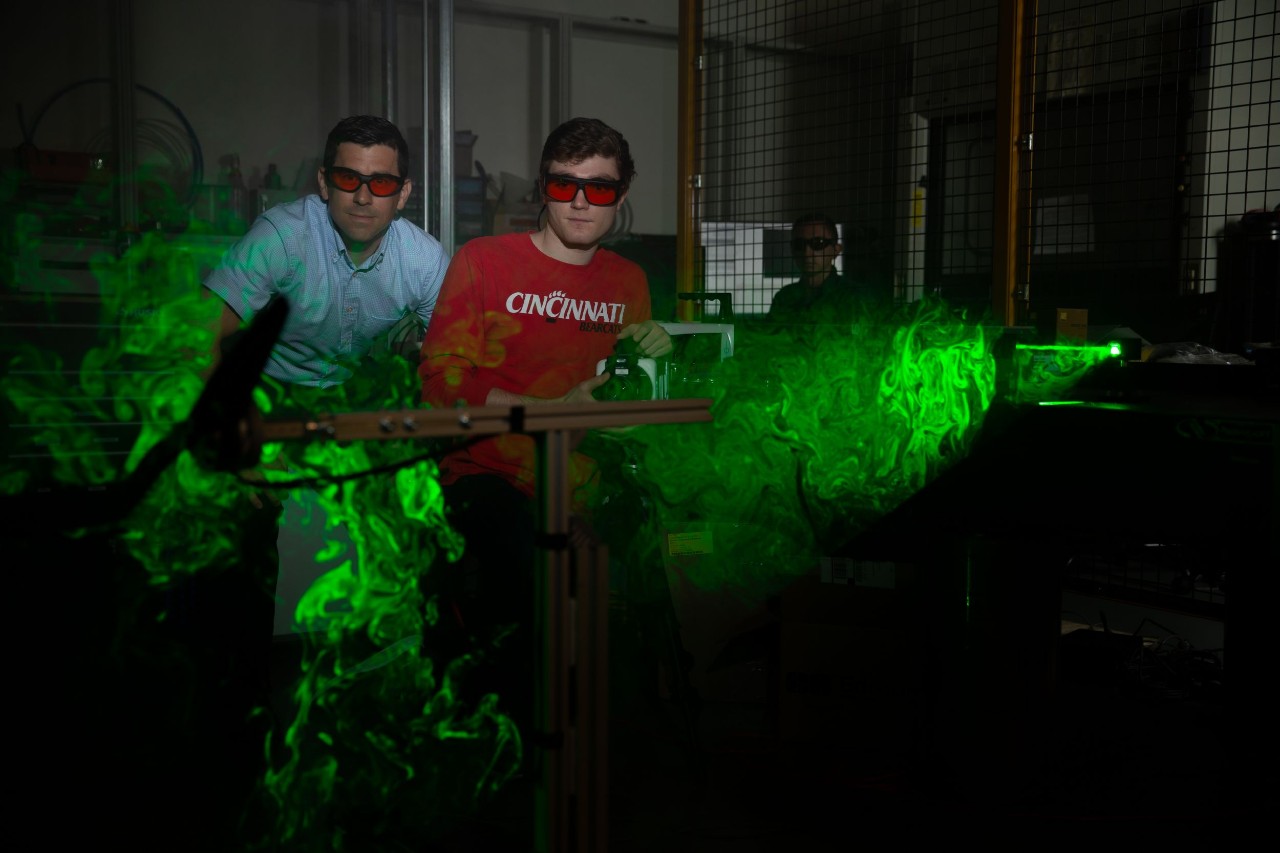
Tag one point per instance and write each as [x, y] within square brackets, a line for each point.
[262, 198]
[238, 201]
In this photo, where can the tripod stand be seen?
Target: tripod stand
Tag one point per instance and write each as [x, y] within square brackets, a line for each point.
[571, 590]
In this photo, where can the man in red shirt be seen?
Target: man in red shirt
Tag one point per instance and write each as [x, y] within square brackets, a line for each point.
[524, 319]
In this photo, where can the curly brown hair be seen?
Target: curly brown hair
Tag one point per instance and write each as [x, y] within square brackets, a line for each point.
[580, 138]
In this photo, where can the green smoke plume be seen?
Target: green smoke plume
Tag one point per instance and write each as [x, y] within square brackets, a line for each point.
[812, 440]
[382, 746]
[814, 437]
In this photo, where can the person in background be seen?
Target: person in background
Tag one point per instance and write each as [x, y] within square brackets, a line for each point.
[821, 295]
[524, 318]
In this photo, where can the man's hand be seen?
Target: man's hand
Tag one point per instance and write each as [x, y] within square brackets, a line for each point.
[581, 393]
[650, 337]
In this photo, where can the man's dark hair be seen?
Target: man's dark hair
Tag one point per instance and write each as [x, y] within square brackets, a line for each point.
[367, 131]
[816, 219]
[580, 138]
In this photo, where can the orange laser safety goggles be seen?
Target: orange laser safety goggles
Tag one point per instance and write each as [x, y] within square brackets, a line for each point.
[349, 181]
[565, 189]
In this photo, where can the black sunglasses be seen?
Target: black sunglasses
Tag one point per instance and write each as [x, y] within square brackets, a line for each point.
[349, 181]
[815, 243]
[564, 188]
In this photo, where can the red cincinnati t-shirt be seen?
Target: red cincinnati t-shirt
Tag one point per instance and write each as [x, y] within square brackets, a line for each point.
[513, 318]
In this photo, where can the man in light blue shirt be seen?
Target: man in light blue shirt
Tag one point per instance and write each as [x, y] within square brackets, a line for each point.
[350, 270]
[348, 265]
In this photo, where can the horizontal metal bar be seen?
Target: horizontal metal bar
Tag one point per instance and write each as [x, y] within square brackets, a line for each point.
[486, 420]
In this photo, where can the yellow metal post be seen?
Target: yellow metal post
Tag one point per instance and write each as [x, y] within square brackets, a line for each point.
[1014, 84]
[690, 56]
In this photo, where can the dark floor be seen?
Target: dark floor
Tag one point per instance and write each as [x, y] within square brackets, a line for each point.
[139, 734]
[761, 796]
[1102, 759]
[1105, 754]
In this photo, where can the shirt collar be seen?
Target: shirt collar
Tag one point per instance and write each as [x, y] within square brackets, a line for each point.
[338, 249]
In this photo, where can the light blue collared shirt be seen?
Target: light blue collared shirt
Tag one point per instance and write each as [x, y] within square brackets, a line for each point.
[336, 310]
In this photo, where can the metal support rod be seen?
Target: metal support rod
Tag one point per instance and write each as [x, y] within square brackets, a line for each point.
[485, 420]
[447, 235]
[424, 155]
[389, 60]
[571, 686]
[1006, 269]
[124, 121]
[358, 43]
[687, 218]
[571, 607]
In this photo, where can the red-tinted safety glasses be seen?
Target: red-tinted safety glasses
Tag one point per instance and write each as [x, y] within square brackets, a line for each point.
[349, 180]
[817, 244]
[565, 188]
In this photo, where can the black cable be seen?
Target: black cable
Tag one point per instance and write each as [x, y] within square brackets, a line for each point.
[1179, 672]
[197, 153]
[333, 479]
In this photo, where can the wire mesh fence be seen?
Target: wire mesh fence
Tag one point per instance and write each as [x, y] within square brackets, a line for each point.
[1149, 131]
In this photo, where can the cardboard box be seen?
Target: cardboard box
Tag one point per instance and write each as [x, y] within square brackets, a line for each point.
[516, 218]
[1073, 325]
[73, 167]
[728, 630]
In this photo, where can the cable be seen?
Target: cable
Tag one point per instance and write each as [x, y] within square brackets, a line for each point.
[161, 136]
[403, 332]
[197, 154]
[1174, 668]
[334, 479]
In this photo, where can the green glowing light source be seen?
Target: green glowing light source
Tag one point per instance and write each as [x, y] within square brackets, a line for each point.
[1046, 373]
